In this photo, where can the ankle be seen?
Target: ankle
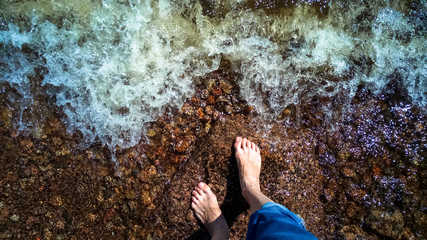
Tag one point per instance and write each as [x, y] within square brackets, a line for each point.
[250, 191]
[250, 184]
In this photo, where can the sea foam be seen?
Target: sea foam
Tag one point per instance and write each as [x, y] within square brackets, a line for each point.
[121, 64]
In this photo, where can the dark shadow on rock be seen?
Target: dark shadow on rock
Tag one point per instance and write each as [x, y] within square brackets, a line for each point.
[201, 234]
[234, 204]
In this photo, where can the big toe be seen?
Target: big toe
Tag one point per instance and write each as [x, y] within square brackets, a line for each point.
[205, 187]
[237, 143]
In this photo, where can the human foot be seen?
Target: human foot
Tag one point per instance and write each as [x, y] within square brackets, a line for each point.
[206, 209]
[248, 160]
[249, 163]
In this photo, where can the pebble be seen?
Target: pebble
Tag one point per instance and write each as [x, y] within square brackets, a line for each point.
[387, 224]
[349, 172]
[14, 217]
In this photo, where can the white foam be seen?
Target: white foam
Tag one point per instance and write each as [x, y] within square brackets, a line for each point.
[120, 65]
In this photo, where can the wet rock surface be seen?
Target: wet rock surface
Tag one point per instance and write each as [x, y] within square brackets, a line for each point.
[358, 174]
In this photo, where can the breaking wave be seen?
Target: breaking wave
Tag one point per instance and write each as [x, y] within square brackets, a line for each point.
[121, 64]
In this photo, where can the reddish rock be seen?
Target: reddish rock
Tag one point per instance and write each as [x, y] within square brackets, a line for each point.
[209, 110]
[187, 109]
[200, 113]
[349, 172]
[182, 144]
[216, 91]
[211, 100]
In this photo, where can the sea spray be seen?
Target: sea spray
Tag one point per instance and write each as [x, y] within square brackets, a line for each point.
[119, 65]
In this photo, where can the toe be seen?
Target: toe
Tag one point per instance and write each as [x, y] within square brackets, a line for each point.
[253, 146]
[199, 190]
[195, 194]
[238, 143]
[205, 187]
[202, 185]
[193, 205]
[244, 142]
[248, 144]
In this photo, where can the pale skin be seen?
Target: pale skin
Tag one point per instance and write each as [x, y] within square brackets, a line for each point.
[204, 202]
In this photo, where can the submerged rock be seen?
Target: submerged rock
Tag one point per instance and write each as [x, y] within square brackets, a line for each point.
[386, 223]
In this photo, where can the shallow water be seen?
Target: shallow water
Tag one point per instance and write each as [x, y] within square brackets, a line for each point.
[127, 98]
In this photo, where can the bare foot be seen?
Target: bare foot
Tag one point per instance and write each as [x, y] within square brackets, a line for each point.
[248, 159]
[206, 209]
[249, 162]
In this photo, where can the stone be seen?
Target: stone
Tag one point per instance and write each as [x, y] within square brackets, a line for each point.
[187, 109]
[182, 145]
[349, 172]
[14, 218]
[209, 110]
[358, 195]
[5, 116]
[386, 223]
[353, 232]
[56, 201]
[200, 113]
[226, 87]
[210, 100]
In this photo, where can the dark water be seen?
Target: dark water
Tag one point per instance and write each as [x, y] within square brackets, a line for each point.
[112, 111]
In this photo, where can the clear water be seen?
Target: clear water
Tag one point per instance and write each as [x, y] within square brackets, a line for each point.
[118, 65]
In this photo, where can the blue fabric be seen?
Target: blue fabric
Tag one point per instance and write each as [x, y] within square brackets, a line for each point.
[274, 221]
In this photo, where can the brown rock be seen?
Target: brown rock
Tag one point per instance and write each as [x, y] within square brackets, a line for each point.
[358, 195]
[56, 201]
[229, 109]
[225, 86]
[285, 114]
[178, 158]
[182, 145]
[351, 209]
[187, 109]
[146, 198]
[211, 100]
[216, 91]
[5, 116]
[387, 224]
[200, 113]
[216, 115]
[344, 155]
[353, 232]
[349, 172]
[209, 110]
[247, 109]
[147, 173]
[329, 194]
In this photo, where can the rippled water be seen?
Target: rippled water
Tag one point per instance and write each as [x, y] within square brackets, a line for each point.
[118, 65]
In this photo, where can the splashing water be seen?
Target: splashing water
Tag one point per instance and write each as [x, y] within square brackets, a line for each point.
[120, 65]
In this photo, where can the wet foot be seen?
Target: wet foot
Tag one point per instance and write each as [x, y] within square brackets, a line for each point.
[206, 209]
[248, 160]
